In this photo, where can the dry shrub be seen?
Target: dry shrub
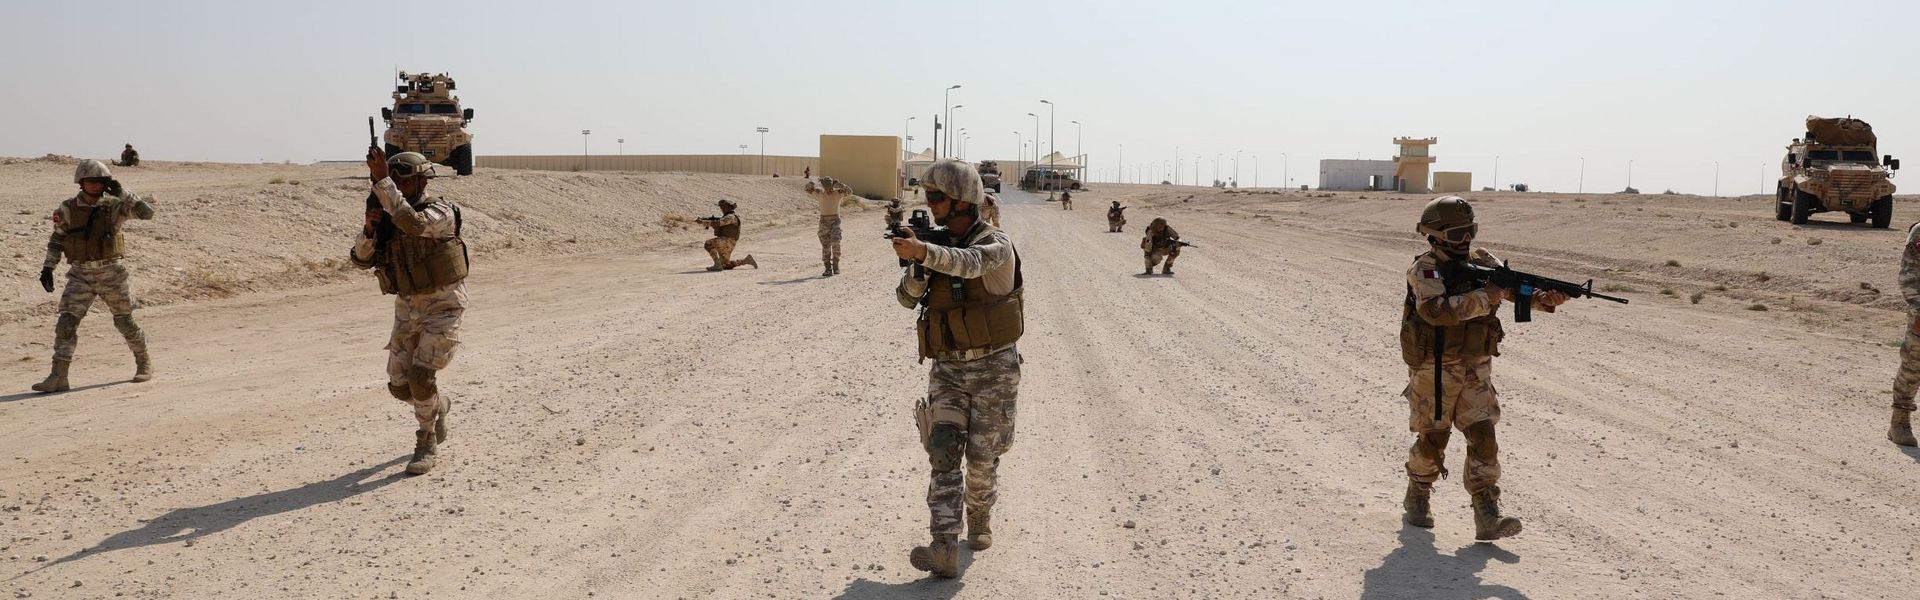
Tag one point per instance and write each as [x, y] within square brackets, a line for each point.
[202, 281]
[1697, 297]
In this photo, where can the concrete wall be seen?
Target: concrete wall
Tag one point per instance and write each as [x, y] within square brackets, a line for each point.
[747, 164]
[1338, 174]
[868, 164]
[1451, 182]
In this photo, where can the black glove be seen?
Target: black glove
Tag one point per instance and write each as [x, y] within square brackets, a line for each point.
[46, 279]
[113, 186]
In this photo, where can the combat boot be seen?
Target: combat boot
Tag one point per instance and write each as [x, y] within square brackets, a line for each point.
[423, 453]
[748, 261]
[1418, 504]
[1149, 269]
[836, 266]
[1901, 432]
[980, 529]
[826, 269]
[142, 367]
[57, 380]
[1487, 522]
[941, 558]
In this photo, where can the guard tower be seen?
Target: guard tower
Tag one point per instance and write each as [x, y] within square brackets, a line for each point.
[1410, 167]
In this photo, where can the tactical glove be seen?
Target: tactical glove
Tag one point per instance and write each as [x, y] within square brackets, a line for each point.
[113, 187]
[46, 279]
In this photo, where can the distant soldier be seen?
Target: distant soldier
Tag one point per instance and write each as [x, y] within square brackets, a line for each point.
[1901, 431]
[990, 212]
[1066, 200]
[969, 298]
[129, 157]
[86, 230]
[829, 194]
[896, 214]
[726, 235]
[1449, 333]
[1161, 245]
[413, 244]
[1116, 217]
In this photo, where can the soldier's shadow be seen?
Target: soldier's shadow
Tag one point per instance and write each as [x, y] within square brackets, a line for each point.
[25, 395]
[1418, 570]
[929, 587]
[1913, 453]
[190, 523]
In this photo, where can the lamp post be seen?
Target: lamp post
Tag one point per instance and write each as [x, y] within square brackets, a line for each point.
[1236, 167]
[1256, 171]
[1583, 177]
[743, 149]
[946, 103]
[1286, 181]
[583, 148]
[1052, 141]
[1022, 148]
[623, 145]
[953, 135]
[1496, 172]
[906, 134]
[763, 148]
[1078, 158]
[1036, 138]
[1716, 179]
[1216, 167]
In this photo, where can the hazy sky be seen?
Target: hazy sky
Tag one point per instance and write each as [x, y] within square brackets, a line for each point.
[1673, 86]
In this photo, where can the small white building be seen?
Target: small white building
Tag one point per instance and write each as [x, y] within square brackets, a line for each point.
[1356, 175]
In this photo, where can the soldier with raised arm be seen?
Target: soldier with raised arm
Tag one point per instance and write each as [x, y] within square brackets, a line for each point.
[86, 231]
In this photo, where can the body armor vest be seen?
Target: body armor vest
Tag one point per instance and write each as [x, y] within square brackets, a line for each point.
[90, 233]
[958, 315]
[411, 264]
[1421, 341]
[731, 232]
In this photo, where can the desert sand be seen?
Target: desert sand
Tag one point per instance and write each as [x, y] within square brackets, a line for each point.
[627, 425]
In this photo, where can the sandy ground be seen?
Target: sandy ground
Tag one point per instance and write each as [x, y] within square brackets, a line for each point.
[629, 426]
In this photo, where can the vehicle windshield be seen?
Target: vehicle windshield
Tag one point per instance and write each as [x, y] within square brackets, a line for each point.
[1857, 156]
[411, 109]
[444, 109]
[1823, 155]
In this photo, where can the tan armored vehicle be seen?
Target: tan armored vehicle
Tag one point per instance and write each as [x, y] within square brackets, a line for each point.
[426, 117]
[990, 175]
[1836, 168]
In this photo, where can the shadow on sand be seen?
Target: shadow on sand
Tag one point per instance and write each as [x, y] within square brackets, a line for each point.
[26, 395]
[190, 523]
[925, 588]
[1418, 570]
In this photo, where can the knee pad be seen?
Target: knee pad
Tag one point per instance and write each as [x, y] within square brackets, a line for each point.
[125, 324]
[402, 392]
[68, 325]
[946, 446]
[422, 382]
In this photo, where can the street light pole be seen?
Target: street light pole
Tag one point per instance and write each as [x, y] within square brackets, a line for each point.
[1716, 179]
[1078, 158]
[946, 103]
[1496, 172]
[623, 145]
[763, 149]
[1036, 140]
[1583, 177]
[1236, 167]
[1256, 171]
[1052, 141]
[1286, 181]
[583, 148]
[906, 134]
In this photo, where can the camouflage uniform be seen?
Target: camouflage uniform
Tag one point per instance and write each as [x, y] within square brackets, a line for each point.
[1466, 382]
[1908, 378]
[829, 196]
[990, 210]
[726, 235]
[1159, 245]
[129, 157]
[1066, 200]
[87, 233]
[426, 323]
[895, 215]
[1116, 218]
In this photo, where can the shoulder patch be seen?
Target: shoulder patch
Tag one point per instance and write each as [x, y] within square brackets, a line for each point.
[1429, 274]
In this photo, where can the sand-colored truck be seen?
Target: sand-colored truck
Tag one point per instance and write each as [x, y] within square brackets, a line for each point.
[990, 175]
[426, 117]
[1836, 167]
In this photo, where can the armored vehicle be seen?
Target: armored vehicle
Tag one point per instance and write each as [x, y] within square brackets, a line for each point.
[1835, 168]
[990, 175]
[1043, 179]
[426, 117]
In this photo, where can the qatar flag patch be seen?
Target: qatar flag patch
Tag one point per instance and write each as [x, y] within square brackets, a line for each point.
[1429, 274]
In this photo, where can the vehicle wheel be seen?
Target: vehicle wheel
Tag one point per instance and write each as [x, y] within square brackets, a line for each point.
[1782, 209]
[1802, 206]
[1882, 212]
[462, 160]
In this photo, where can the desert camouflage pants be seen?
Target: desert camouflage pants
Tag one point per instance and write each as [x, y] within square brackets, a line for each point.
[110, 284]
[1470, 405]
[829, 239]
[426, 332]
[1115, 223]
[1909, 377]
[1156, 255]
[966, 422]
[721, 250]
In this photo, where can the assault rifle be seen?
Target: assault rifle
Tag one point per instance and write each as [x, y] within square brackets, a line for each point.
[921, 224]
[1525, 285]
[384, 230]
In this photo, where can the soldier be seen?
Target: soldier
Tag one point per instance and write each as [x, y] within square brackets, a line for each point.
[990, 212]
[129, 157]
[1449, 333]
[1161, 244]
[86, 229]
[895, 214]
[970, 317]
[1116, 217]
[726, 235]
[1904, 383]
[829, 194]
[1066, 200]
[413, 244]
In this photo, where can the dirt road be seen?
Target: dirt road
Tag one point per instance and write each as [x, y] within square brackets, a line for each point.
[630, 426]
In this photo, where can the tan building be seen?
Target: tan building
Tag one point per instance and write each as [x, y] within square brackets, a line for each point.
[868, 164]
[1452, 182]
[1411, 166]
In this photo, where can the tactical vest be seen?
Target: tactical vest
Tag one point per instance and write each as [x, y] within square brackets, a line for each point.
[1163, 241]
[411, 264]
[90, 234]
[971, 319]
[731, 232]
[1472, 338]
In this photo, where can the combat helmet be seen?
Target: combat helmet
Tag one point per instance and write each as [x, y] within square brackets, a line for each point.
[91, 169]
[726, 204]
[827, 182]
[1448, 220]
[409, 164]
[954, 179]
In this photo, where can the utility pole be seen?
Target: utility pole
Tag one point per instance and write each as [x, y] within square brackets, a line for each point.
[763, 149]
[583, 148]
[1583, 177]
[623, 145]
[946, 107]
[1716, 179]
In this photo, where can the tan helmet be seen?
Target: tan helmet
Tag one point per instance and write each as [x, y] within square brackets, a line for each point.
[827, 182]
[954, 179]
[409, 164]
[91, 169]
[1444, 213]
[727, 205]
